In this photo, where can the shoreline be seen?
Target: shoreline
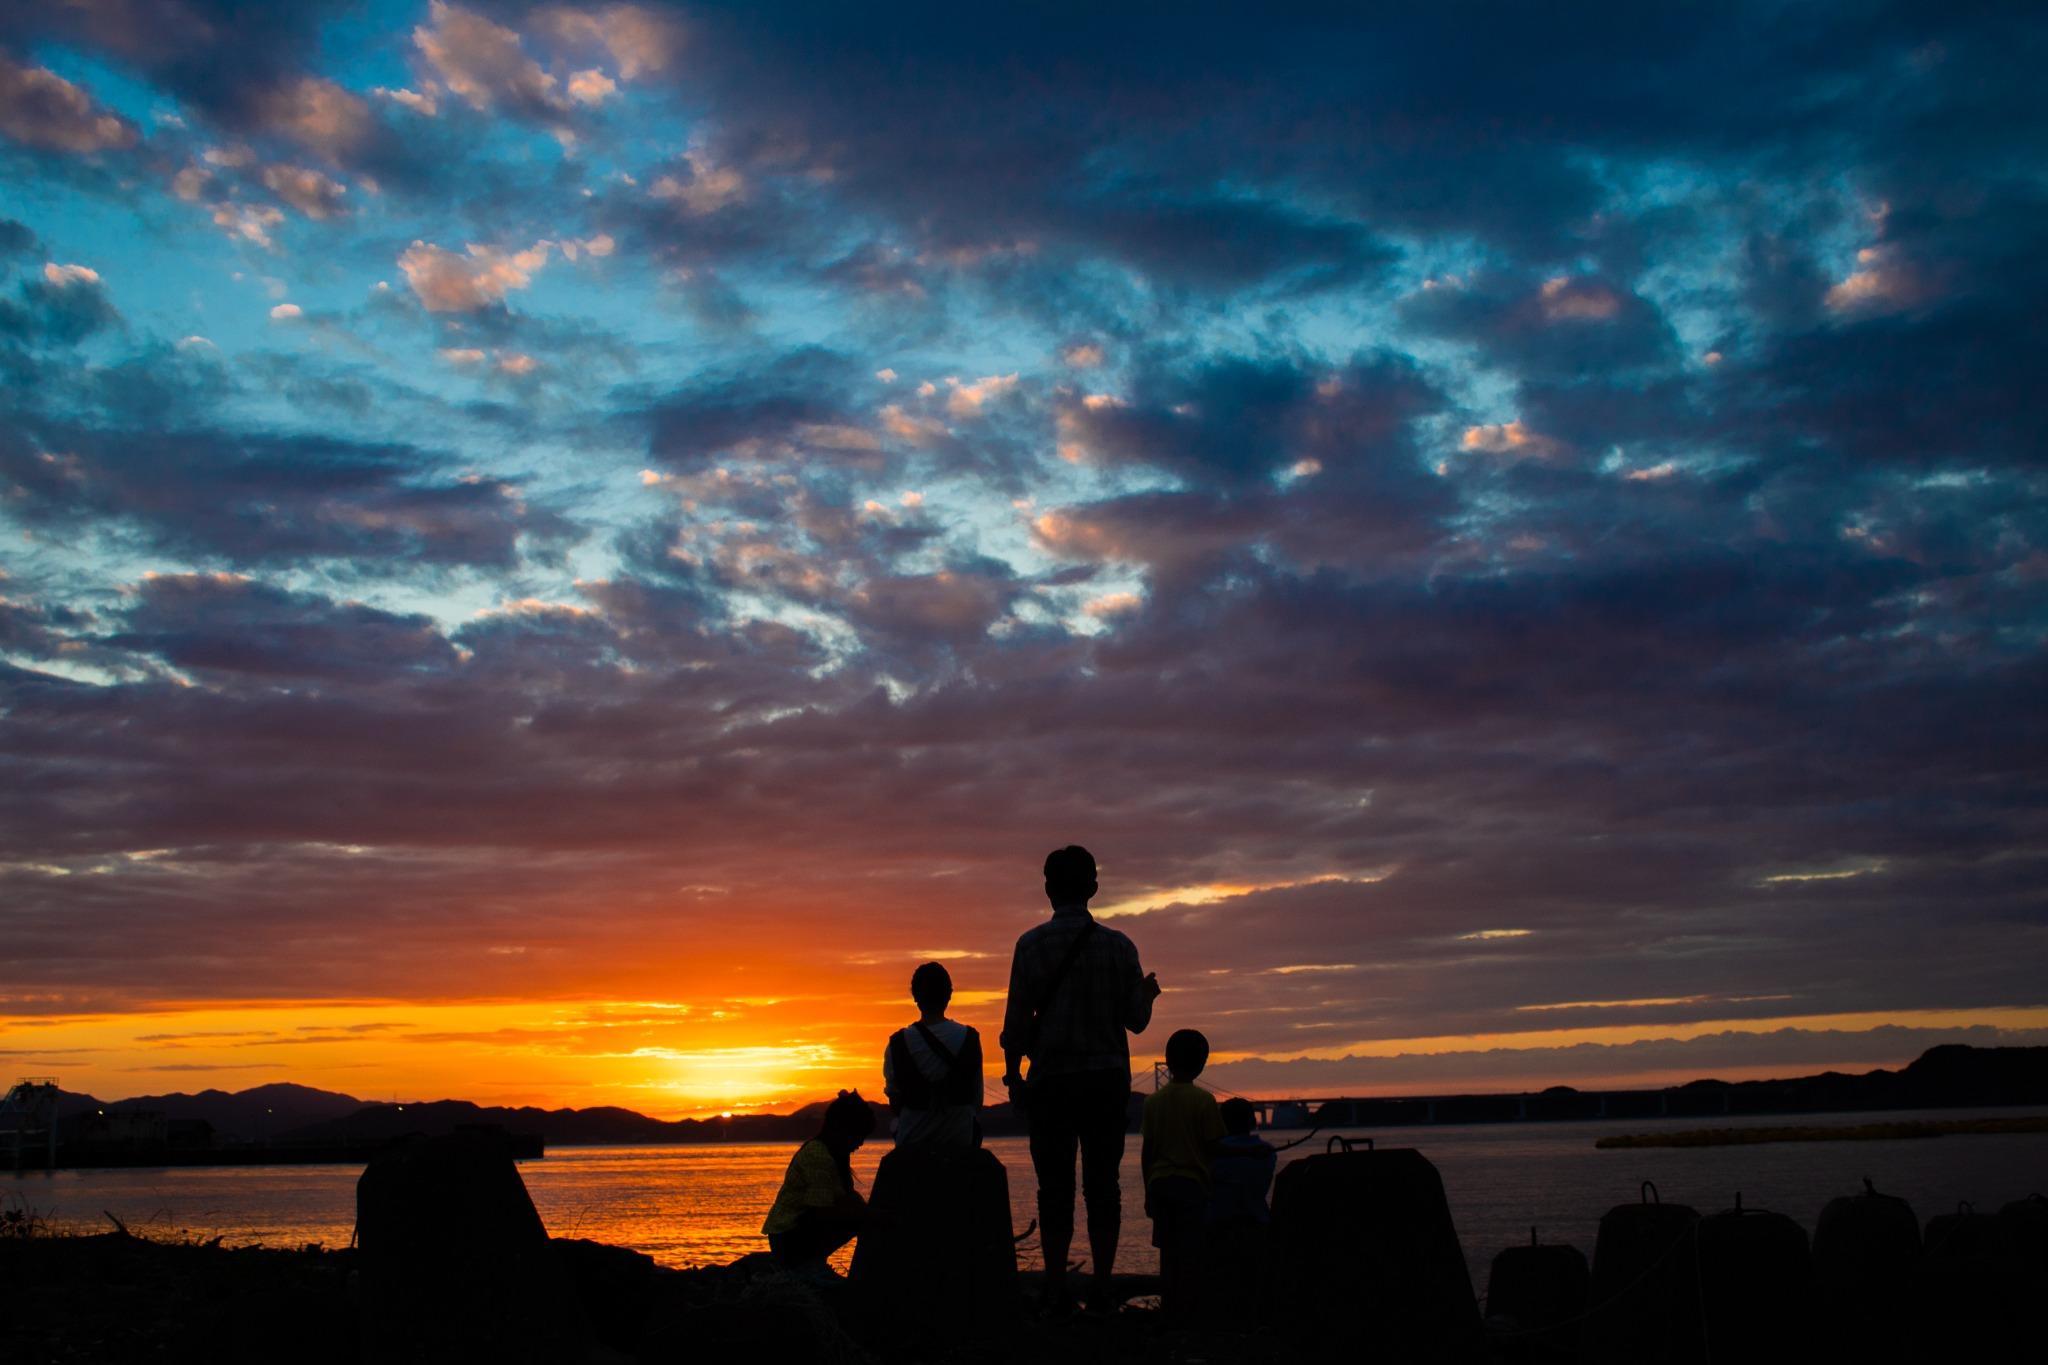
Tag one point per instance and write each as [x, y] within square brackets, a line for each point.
[530, 1147]
[1865, 1132]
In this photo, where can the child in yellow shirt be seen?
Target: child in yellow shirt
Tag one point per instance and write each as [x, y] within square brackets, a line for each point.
[818, 1210]
[1179, 1134]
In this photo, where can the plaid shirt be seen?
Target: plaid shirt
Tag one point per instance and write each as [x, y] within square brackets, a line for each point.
[1101, 996]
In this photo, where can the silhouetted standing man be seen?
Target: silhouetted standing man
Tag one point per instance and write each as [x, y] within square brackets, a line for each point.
[1075, 989]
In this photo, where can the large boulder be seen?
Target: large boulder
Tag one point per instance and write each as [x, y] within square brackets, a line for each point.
[454, 1260]
[937, 1250]
[1367, 1259]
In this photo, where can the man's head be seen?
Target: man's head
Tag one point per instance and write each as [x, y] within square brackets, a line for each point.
[1239, 1118]
[931, 986]
[1070, 875]
[1187, 1052]
[848, 1121]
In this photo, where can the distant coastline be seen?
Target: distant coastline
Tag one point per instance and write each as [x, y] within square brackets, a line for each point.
[285, 1115]
[1858, 1132]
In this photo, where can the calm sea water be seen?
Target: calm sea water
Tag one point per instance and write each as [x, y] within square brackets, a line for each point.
[696, 1205]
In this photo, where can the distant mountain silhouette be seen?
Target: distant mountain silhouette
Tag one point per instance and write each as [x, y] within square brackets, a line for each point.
[256, 1115]
[1950, 1076]
[563, 1127]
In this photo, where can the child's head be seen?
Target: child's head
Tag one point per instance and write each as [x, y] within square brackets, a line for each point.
[931, 986]
[1239, 1118]
[848, 1121]
[1187, 1052]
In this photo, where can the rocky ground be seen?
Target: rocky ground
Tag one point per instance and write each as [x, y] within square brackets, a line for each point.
[118, 1299]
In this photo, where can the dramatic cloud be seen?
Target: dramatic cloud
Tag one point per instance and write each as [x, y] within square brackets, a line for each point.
[484, 63]
[319, 115]
[1558, 326]
[226, 624]
[308, 191]
[260, 499]
[41, 109]
[640, 41]
[1523, 546]
[63, 305]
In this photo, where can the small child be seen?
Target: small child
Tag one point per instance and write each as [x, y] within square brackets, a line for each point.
[818, 1210]
[1180, 1131]
[1241, 1172]
[931, 1071]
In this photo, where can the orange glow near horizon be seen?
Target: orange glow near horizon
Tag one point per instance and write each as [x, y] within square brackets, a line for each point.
[674, 1059]
[665, 1058]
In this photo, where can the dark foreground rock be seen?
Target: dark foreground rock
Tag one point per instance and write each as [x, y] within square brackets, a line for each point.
[115, 1299]
[120, 1298]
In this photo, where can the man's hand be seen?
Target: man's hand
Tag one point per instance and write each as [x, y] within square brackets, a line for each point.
[1150, 985]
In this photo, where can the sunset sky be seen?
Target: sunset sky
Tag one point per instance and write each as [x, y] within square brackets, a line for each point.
[552, 553]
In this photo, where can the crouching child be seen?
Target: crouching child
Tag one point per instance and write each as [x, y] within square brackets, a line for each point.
[818, 1210]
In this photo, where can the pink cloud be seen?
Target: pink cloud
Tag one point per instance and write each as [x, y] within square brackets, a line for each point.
[41, 109]
[1883, 281]
[968, 399]
[592, 87]
[483, 63]
[318, 115]
[422, 102]
[1564, 299]
[249, 222]
[309, 191]
[1514, 439]
[709, 188]
[640, 41]
[448, 282]
[65, 275]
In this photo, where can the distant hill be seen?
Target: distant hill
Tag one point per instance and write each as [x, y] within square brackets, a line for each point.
[1943, 1077]
[565, 1127]
[256, 1115]
[1946, 1077]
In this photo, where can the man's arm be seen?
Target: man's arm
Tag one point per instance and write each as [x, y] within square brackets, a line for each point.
[1017, 1012]
[1143, 990]
[970, 1060]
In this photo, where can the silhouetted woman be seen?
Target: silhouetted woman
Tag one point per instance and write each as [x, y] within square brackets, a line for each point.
[818, 1210]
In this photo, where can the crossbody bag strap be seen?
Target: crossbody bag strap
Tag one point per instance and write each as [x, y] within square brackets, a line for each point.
[1059, 976]
[939, 1049]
